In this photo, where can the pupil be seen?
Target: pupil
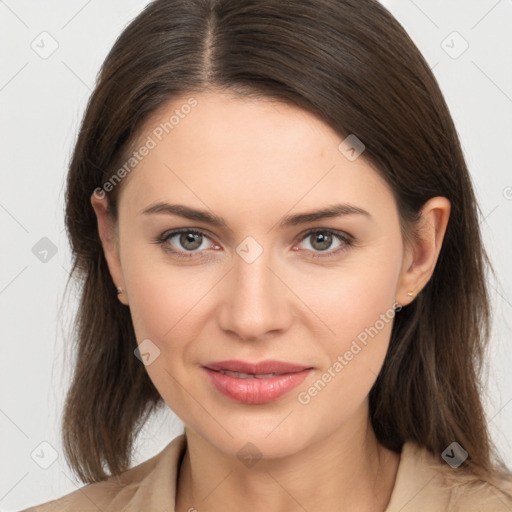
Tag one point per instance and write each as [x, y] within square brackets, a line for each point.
[193, 241]
[190, 238]
[325, 241]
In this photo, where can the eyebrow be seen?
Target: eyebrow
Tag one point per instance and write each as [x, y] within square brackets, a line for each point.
[337, 210]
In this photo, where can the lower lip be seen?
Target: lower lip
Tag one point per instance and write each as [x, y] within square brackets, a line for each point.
[256, 391]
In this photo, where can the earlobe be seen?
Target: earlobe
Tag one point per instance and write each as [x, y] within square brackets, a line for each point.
[422, 253]
[107, 231]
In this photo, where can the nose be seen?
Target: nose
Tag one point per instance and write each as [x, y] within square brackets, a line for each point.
[256, 300]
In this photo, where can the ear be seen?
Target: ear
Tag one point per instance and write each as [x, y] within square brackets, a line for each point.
[108, 232]
[421, 253]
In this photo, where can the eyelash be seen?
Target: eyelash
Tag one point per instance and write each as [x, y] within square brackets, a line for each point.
[345, 238]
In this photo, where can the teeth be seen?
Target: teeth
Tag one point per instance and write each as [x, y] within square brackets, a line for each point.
[248, 375]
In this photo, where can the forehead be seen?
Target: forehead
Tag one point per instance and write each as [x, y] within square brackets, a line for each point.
[252, 152]
[224, 125]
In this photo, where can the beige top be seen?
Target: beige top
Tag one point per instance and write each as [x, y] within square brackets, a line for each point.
[420, 486]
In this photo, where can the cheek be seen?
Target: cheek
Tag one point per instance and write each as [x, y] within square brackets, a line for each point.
[165, 304]
[348, 299]
[346, 312]
[340, 389]
[170, 305]
[338, 302]
[164, 299]
[357, 307]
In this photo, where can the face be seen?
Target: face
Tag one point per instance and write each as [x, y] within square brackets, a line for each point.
[317, 293]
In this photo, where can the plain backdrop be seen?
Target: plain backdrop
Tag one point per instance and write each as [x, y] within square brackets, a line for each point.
[51, 53]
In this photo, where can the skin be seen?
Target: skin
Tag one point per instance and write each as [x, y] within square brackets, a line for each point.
[253, 161]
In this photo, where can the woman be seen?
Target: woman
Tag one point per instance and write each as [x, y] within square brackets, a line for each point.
[277, 238]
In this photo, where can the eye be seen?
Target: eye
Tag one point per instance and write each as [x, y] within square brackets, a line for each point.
[186, 242]
[321, 240]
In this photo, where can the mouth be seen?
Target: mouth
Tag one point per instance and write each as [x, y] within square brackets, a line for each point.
[263, 368]
[255, 383]
[241, 375]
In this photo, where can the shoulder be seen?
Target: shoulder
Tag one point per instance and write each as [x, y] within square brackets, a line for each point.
[425, 483]
[143, 483]
[481, 497]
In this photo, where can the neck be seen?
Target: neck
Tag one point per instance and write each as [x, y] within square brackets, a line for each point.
[349, 471]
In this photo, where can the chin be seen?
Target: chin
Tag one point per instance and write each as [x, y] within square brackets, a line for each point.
[259, 442]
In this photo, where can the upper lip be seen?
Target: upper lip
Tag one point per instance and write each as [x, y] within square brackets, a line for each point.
[261, 368]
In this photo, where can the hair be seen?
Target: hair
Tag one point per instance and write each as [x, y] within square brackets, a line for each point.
[350, 63]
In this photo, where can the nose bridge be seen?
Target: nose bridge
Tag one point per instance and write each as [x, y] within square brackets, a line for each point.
[256, 300]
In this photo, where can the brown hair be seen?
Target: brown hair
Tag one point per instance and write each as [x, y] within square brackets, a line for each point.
[352, 64]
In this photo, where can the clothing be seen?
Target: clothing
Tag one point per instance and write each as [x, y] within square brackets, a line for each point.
[420, 486]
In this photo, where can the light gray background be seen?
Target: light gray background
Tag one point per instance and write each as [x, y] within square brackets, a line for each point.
[42, 101]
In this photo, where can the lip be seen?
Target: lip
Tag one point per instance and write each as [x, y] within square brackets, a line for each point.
[256, 390]
[261, 368]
